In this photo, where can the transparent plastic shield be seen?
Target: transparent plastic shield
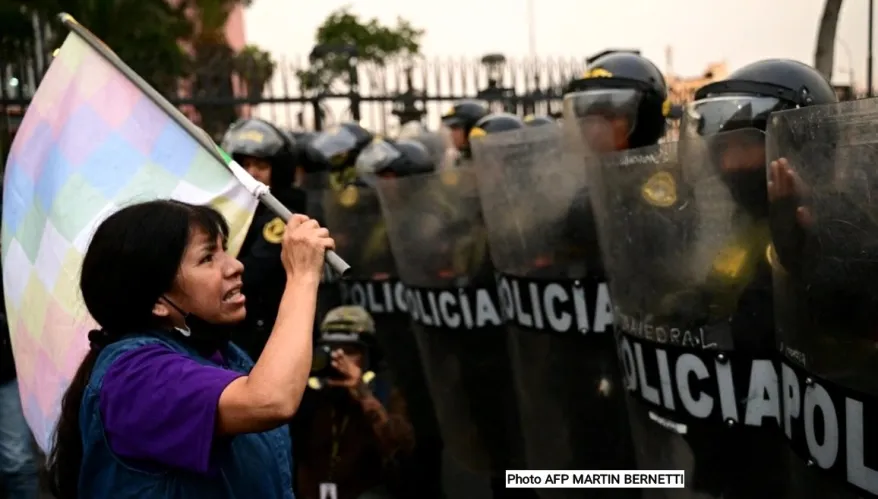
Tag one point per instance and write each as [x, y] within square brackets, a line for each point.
[355, 221]
[314, 184]
[438, 240]
[353, 217]
[671, 224]
[543, 243]
[439, 143]
[435, 226]
[527, 187]
[335, 144]
[824, 216]
[683, 231]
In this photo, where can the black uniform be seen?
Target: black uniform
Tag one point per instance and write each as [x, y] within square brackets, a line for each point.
[264, 276]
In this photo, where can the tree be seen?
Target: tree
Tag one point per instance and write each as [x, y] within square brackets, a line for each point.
[824, 55]
[144, 33]
[216, 66]
[374, 42]
[255, 67]
[163, 43]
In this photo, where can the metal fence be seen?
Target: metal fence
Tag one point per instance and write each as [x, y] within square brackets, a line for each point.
[380, 97]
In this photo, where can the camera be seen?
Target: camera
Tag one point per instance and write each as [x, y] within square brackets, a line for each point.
[321, 363]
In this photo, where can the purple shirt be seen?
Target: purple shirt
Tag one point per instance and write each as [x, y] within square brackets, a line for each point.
[160, 407]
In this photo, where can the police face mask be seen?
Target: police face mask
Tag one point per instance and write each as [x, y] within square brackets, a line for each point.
[743, 171]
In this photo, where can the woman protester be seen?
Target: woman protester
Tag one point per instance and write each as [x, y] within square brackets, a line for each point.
[163, 405]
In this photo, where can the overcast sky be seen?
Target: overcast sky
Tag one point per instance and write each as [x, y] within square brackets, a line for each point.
[699, 31]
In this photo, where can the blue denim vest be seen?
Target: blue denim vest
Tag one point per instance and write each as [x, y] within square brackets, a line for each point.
[258, 464]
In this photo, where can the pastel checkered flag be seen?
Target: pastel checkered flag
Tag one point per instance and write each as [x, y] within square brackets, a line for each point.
[93, 140]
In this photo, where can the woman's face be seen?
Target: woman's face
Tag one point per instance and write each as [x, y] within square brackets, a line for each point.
[208, 283]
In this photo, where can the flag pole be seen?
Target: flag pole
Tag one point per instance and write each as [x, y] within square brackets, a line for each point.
[265, 196]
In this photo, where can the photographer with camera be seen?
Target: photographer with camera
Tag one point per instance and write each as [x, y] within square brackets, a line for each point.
[352, 434]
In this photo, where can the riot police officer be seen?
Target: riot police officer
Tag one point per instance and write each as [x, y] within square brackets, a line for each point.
[301, 139]
[564, 372]
[329, 157]
[435, 227]
[355, 218]
[791, 298]
[743, 101]
[270, 156]
[720, 211]
[460, 119]
[395, 158]
[620, 102]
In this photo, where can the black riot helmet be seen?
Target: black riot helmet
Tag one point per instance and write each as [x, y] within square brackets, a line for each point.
[303, 138]
[502, 123]
[394, 158]
[461, 119]
[749, 95]
[496, 123]
[256, 138]
[532, 120]
[336, 149]
[465, 114]
[622, 96]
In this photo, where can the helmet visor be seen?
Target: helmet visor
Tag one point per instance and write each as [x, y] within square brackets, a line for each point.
[725, 113]
[335, 145]
[605, 117]
[375, 158]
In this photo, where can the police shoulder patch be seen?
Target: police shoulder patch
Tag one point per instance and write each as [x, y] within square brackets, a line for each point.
[273, 231]
[348, 196]
[660, 190]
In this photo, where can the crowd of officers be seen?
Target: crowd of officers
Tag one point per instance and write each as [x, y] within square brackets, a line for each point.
[370, 449]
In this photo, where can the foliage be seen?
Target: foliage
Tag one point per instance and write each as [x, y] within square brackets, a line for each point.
[147, 35]
[216, 67]
[144, 33]
[255, 68]
[373, 42]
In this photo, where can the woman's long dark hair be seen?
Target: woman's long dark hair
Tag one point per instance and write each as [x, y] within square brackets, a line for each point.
[132, 260]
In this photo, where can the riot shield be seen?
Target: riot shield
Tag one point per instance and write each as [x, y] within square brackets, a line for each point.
[354, 219]
[825, 240]
[556, 304]
[315, 185]
[683, 232]
[438, 241]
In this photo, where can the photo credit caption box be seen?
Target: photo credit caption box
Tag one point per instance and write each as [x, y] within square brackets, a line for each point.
[595, 479]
